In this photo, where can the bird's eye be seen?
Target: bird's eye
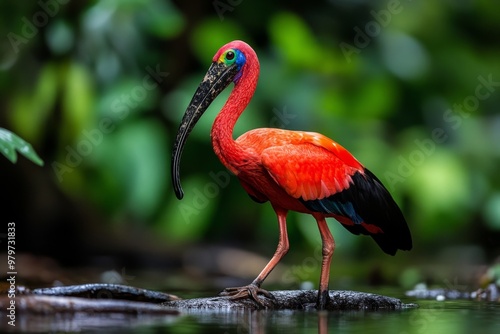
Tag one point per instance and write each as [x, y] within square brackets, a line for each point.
[230, 55]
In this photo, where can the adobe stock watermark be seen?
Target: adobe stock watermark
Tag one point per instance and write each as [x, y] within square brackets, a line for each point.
[121, 108]
[281, 118]
[222, 6]
[454, 118]
[203, 196]
[221, 179]
[30, 28]
[364, 36]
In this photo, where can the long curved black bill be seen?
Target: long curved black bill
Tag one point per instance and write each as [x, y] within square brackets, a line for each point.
[218, 77]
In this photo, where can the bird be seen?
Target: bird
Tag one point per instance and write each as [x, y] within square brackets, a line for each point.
[299, 171]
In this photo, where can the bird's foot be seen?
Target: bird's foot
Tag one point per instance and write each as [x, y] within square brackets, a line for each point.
[323, 300]
[248, 291]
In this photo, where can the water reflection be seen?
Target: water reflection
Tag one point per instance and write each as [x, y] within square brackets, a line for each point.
[245, 321]
[431, 317]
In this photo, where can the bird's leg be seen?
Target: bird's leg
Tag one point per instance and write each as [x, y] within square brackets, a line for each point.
[327, 251]
[253, 289]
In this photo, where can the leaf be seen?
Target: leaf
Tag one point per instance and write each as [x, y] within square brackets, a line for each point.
[31, 108]
[78, 104]
[9, 143]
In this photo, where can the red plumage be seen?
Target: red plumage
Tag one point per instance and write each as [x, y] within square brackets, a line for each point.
[295, 164]
[293, 170]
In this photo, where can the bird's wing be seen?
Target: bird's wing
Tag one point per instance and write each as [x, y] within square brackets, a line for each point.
[327, 179]
[310, 166]
[307, 171]
[331, 146]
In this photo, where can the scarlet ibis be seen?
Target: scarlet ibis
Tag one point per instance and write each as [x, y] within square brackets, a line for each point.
[293, 170]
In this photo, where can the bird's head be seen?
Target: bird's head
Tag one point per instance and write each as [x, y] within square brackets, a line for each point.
[228, 65]
[229, 60]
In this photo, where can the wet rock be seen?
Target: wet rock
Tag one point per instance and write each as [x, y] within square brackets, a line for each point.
[107, 291]
[295, 300]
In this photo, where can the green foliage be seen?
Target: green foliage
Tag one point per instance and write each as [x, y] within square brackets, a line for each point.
[211, 34]
[131, 161]
[10, 143]
[92, 62]
[188, 220]
[77, 100]
[492, 211]
[162, 19]
[32, 107]
[296, 42]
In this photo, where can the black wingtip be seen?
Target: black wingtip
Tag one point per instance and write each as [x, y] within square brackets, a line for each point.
[386, 214]
[368, 201]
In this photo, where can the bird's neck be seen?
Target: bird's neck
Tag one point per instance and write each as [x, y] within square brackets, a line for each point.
[225, 147]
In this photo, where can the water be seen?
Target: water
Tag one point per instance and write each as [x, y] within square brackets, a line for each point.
[431, 317]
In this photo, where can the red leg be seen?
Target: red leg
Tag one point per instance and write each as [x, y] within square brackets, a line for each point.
[254, 288]
[327, 251]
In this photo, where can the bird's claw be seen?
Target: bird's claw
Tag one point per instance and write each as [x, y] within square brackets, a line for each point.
[247, 291]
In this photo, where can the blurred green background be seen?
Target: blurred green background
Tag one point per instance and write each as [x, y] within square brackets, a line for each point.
[411, 88]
